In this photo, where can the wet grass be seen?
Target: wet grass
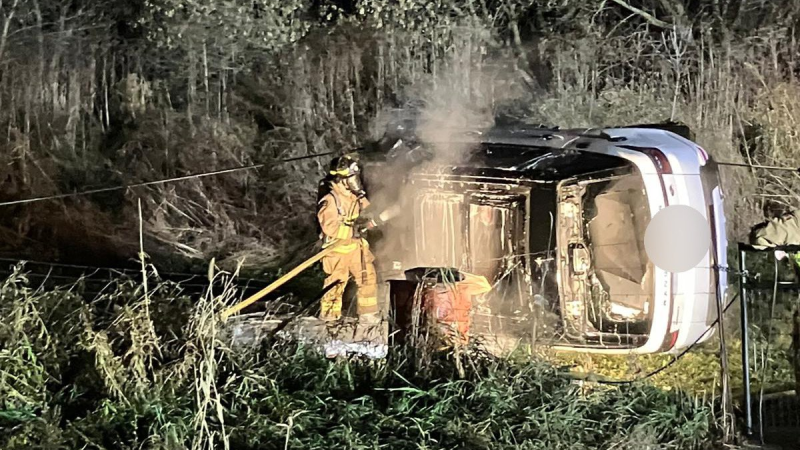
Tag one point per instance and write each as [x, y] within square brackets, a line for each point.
[135, 369]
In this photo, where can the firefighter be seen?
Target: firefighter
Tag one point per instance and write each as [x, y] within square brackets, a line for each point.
[781, 230]
[784, 229]
[339, 214]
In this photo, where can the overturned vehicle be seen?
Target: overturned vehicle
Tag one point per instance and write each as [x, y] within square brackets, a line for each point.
[555, 221]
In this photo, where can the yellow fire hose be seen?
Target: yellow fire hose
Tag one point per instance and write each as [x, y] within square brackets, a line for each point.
[279, 282]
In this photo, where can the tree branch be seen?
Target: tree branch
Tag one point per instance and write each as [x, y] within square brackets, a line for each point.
[652, 20]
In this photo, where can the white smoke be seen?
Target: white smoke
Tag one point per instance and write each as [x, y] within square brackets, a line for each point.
[453, 105]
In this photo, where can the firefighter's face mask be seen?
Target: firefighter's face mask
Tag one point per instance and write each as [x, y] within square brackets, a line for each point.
[348, 172]
[353, 183]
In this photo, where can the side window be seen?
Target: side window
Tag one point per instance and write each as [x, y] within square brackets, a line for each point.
[497, 248]
[439, 229]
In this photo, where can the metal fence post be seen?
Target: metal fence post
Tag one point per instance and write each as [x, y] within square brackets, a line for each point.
[748, 411]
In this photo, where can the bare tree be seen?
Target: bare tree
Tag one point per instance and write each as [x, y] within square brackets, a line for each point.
[7, 18]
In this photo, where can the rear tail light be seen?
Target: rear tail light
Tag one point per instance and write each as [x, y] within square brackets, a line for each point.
[673, 338]
[703, 153]
[659, 159]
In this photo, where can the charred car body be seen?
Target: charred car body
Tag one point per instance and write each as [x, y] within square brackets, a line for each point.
[555, 220]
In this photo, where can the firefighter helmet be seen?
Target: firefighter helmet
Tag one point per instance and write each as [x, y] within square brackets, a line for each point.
[345, 166]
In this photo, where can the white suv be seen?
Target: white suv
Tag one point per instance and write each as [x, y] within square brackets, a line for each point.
[555, 220]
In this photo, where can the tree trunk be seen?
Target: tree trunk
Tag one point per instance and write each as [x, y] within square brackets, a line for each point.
[796, 346]
[205, 80]
[191, 83]
[40, 84]
[6, 25]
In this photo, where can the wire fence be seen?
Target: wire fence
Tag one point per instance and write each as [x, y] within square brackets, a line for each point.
[93, 281]
[773, 358]
[771, 332]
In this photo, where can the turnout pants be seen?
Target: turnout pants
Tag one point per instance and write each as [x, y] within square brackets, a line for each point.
[339, 267]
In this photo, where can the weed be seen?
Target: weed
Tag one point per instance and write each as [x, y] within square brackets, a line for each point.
[133, 380]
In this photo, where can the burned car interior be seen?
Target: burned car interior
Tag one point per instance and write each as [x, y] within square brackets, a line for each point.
[556, 232]
[606, 276]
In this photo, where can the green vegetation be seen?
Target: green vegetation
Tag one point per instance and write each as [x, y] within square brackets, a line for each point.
[698, 372]
[98, 94]
[149, 369]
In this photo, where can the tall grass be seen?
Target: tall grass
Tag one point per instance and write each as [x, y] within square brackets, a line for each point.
[108, 375]
[85, 107]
